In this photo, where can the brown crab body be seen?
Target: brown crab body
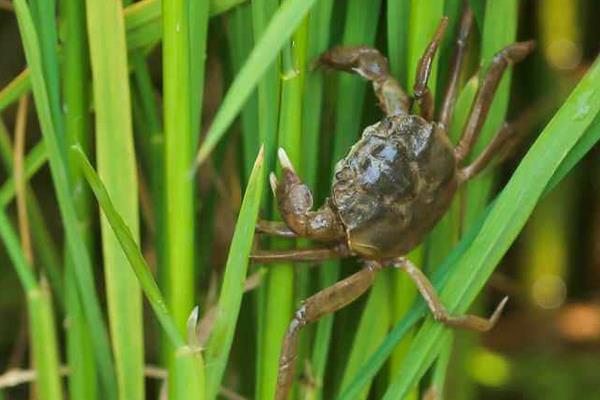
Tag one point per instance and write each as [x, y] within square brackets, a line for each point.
[394, 185]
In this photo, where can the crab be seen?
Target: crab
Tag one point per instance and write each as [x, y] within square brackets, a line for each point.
[392, 187]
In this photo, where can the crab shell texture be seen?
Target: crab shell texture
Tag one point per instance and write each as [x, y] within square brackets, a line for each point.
[394, 185]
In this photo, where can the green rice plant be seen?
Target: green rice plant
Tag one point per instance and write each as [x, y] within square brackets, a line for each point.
[149, 130]
[33, 162]
[230, 298]
[280, 28]
[178, 135]
[372, 329]
[15, 89]
[76, 89]
[240, 40]
[42, 335]
[58, 165]
[143, 20]
[439, 373]
[43, 341]
[398, 15]
[185, 26]
[44, 244]
[117, 167]
[43, 13]
[143, 26]
[268, 114]
[280, 280]
[187, 360]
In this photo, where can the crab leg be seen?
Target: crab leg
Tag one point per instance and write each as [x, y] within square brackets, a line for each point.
[471, 322]
[421, 92]
[508, 56]
[324, 302]
[457, 60]
[371, 65]
[274, 228]
[498, 141]
[298, 255]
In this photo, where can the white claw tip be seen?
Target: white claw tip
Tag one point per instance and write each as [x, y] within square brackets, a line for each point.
[503, 303]
[284, 159]
[499, 310]
[273, 181]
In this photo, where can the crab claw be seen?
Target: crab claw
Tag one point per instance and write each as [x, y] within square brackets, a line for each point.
[294, 198]
[497, 312]
[273, 182]
[284, 160]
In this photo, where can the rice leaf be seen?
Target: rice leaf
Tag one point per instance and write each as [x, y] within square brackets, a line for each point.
[187, 360]
[15, 89]
[116, 160]
[41, 318]
[280, 28]
[60, 177]
[230, 298]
